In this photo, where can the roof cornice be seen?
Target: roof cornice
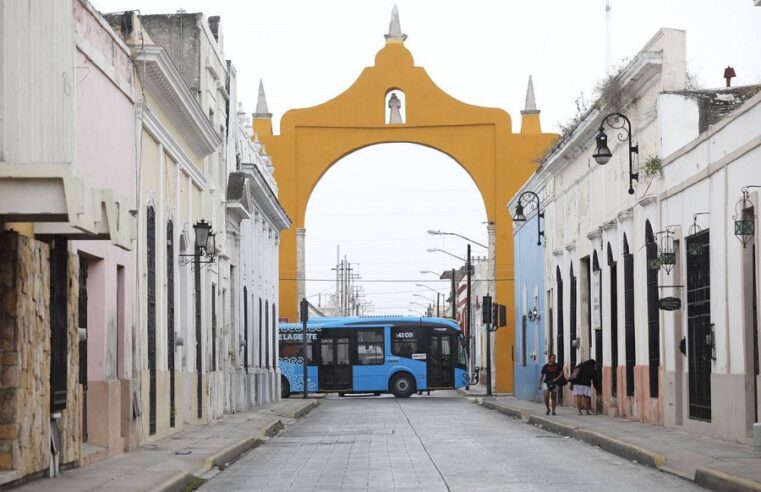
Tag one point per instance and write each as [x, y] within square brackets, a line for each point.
[164, 82]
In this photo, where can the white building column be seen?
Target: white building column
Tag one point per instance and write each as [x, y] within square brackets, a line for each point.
[300, 264]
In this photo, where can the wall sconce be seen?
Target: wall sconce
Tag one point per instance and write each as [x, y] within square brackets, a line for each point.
[695, 249]
[533, 315]
[519, 216]
[745, 220]
[205, 246]
[602, 155]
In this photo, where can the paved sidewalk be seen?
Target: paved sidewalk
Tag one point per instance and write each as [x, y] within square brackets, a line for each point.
[715, 464]
[175, 462]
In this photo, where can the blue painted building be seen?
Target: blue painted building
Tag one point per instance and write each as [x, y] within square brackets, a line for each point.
[529, 350]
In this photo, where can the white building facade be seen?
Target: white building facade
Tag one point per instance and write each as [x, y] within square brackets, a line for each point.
[604, 264]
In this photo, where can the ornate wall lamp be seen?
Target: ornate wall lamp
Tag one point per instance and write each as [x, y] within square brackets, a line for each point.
[695, 249]
[205, 246]
[602, 155]
[666, 251]
[745, 219]
[519, 216]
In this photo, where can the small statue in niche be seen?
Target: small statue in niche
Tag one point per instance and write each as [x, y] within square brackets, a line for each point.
[395, 105]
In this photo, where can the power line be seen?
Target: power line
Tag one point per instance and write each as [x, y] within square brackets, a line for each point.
[405, 280]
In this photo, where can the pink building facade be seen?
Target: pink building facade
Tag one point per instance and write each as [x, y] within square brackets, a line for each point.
[105, 152]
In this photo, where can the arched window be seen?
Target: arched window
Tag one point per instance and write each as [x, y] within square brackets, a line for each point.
[613, 322]
[560, 349]
[150, 258]
[274, 335]
[267, 331]
[245, 327]
[629, 317]
[170, 316]
[597, 314]
[395, 107]
[653, 321]
[573, 318]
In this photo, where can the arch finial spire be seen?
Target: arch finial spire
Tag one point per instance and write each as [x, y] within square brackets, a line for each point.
[261, 103]
[530, 106]
[395, 27]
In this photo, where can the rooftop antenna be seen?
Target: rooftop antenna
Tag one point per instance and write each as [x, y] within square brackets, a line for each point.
[608, 36]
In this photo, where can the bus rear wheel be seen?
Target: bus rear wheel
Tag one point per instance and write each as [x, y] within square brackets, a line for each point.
[285, 387]
[402, 385]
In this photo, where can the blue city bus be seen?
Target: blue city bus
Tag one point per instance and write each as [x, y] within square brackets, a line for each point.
[373, 354]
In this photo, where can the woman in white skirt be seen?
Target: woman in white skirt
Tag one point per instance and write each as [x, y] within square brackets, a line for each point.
[581, 380]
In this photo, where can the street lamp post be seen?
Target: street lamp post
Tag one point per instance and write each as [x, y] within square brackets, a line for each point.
[205, 245]
[602, 155]
[438, 313]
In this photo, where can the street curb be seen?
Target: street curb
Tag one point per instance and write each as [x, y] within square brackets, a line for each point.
[709, 478]
[179, 481]
[176, 483]
[510, 412]
[229, 454]
[305, 409]
[713, 479]
[621, 448]
[553, 426]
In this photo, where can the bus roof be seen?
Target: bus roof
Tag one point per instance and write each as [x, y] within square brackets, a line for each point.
[349, 321]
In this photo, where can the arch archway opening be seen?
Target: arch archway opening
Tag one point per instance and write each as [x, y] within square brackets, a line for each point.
[367, 223]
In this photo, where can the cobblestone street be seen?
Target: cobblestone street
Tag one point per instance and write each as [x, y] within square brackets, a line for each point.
[441, 442]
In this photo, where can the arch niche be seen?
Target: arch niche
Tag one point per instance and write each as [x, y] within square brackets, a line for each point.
[480, 139]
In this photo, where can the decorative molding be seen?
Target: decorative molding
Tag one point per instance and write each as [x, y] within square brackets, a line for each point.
[646, 200]
[164, 82]
[594, 234]
[623, 216]
[609, 225]
[571, 246]
[557, 252]
[155, 127]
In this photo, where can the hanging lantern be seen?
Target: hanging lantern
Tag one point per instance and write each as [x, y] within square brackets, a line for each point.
[744, 218]
[694, 248]
[667, 258]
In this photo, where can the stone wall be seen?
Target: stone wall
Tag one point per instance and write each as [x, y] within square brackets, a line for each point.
[25, 358]
[25, 354]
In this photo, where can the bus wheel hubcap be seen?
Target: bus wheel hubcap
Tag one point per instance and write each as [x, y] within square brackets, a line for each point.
[401, 385]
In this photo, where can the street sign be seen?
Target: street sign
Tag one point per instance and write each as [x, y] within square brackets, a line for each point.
[669, 303]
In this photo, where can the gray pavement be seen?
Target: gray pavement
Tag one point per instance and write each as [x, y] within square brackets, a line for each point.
[717, 464]
[441, 442]
[174, 462]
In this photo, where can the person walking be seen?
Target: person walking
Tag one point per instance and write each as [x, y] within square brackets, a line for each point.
[581, 379]
[548, 380]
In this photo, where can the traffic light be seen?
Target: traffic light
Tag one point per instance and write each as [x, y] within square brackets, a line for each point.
[486, 308]
[502, 318]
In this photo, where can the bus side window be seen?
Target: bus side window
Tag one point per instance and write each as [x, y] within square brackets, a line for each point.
[405, 342]
[370, 347]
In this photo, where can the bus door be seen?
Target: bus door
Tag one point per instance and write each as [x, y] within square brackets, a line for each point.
[440, 360]
[335, 361]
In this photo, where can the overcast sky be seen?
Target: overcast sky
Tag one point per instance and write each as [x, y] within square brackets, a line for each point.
[377, 203]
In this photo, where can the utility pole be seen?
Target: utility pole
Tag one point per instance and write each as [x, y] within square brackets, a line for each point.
[487, 319]
[467, 310]
[454, 293]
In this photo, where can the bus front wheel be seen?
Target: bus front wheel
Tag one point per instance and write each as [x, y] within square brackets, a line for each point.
[285, 387]
[402, 385]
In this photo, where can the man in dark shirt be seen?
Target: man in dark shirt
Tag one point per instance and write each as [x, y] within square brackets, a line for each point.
[551, 373]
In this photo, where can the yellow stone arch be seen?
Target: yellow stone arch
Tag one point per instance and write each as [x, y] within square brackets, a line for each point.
[480, 139]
